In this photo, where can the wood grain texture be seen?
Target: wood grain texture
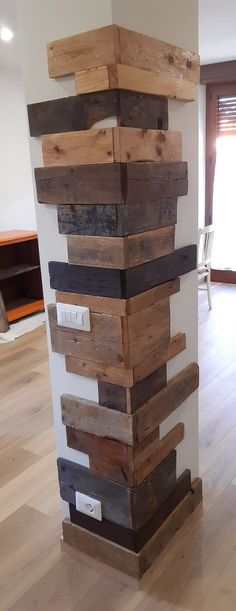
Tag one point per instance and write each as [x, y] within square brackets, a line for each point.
[80, 112]
[114, 340]
[111, 183]
[129, 399]
[122, 284]
[111, 144]
[91, 417]
[127, 377]
[126, 537]
[143, 463]
[116, 220]
[157, 409]
[134, 564]
[112, 44]
[134, 79]
[121, 307]
[120, 504]
[120, 253]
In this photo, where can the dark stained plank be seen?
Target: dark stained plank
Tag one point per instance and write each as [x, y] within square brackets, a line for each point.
[80, 112]
[120, 504]
[122, 283]
[115, 183]
[127, 537]
[129, 399]
[116, 220]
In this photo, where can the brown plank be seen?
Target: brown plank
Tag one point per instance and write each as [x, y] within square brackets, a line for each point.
[126, 537]
[79, 112]
[131, 563]
[91, 417]
[157, 409]
[111, 183]
[116, 220]
[121, 307]
[109, 450]
[120, 504]
[134, 79]
[120, 253]
[115, 340]
[112, 44]
[128, 400]
[143, 461]
[111, 144]
[127, 377]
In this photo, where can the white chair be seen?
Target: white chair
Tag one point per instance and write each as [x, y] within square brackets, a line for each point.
[206, 237]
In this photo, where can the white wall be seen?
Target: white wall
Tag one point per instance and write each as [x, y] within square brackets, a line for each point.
[17, 209]
[42, 22]
[217, 40]
[201, 154]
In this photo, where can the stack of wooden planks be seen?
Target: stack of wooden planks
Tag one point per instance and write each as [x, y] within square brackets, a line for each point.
[116, 189]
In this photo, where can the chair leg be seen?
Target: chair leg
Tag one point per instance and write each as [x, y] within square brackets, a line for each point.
[209, 289]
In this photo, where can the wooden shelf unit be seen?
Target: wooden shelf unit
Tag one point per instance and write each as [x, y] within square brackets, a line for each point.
[20, 275]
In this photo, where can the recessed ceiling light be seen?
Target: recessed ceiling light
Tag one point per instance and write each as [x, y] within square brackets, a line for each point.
[6, 34]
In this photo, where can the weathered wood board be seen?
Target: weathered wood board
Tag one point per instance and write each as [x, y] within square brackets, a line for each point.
[134, 79]
[114, 44]
[105, 454]
[118, 341]
[122, 376]
[129, 538]
[122, 284]
[111, 145]
[120, 253]
[121, 307]
[113, 183]
[116, 220]
[128, 400]
[81, 112]
[123, 559]
[120, 504]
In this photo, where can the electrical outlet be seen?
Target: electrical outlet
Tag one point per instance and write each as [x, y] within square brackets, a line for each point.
[75, 317]
[91, 507]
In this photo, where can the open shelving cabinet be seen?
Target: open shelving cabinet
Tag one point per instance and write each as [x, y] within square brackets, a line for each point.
[20, 274]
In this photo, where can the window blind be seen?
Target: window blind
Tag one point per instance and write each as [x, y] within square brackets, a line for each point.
[226, 115]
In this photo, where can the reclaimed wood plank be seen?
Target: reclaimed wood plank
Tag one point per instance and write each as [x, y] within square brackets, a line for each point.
[120, 504]
[80, 112]
[123, 559]
[127, 377]
[123, 76]
[126, 537]
[119, 341]
[142, 463]
[128, 400]
[121, 307]
[111, 183]
[122, 284]
[111, 144]
[157, 409]
[120, 253]
[116, 220]
[91, 417]
[114, 44]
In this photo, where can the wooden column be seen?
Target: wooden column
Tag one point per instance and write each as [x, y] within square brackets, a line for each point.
[116, 189]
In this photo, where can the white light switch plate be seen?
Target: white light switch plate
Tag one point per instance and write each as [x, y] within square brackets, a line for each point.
[91, 507]
[75, 317]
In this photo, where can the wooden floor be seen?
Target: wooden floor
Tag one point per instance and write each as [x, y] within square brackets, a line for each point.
[198, 570]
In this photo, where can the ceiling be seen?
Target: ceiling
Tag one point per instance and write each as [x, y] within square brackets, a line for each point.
[9, 52]
[217, 30]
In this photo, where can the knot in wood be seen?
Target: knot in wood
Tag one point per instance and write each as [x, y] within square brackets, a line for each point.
[170, 58]
[189, 64]
[161, 137]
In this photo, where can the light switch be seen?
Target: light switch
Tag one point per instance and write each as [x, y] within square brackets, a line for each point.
[75, 317]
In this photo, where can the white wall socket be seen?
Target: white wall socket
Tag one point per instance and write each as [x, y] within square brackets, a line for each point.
[75, 317]
[91, 507]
